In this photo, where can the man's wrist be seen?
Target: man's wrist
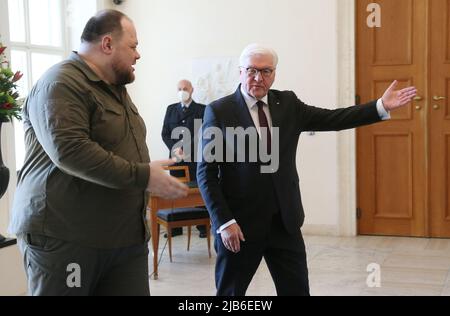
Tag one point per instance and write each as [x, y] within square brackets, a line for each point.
[225, 226]
[382, 112]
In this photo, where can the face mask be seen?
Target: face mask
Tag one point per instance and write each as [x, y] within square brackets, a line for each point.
[184, 96]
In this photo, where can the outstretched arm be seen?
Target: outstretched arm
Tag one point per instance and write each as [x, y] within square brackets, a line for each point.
[318, 119]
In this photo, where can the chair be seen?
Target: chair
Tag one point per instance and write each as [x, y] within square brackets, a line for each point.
[181, 217]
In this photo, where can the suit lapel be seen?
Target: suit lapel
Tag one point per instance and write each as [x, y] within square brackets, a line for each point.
[241, 110]
[184, 115]
[275, 110]
[243, 113]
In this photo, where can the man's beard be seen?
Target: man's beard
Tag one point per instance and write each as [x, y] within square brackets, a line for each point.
[123, 77]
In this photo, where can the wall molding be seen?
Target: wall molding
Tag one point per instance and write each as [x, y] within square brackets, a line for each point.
[104, 4]
[321, 230]
[346, 83]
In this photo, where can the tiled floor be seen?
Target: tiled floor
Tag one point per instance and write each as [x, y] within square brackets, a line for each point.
[338, 266]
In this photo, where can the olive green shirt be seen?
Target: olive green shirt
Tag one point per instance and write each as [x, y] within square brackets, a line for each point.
[87, 162]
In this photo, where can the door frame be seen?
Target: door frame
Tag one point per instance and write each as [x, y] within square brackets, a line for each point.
[346, 83]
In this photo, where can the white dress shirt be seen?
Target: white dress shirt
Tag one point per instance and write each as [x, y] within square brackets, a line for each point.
[252, 105]
[186, 105]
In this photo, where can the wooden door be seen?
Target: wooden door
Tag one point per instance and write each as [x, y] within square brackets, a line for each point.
[439, 118]
[391, 156]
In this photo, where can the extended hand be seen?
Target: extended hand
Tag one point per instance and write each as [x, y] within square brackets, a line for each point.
[394, 99]
[232, 237]
[163, 185]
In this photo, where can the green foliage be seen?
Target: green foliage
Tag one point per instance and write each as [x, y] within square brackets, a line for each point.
[9, 106]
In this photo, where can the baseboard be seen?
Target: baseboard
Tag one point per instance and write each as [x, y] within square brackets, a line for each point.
[321, 230]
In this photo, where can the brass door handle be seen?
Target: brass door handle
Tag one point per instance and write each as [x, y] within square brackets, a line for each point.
[418, 98]
[418, 108]
[436, 107]
[438, 98]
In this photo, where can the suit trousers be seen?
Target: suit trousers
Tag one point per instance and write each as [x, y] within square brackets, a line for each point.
[284, 254]
[58, 268]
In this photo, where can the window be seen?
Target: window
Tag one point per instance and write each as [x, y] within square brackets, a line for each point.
[38, 41]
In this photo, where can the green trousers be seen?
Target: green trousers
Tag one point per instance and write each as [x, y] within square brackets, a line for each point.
[58, 268]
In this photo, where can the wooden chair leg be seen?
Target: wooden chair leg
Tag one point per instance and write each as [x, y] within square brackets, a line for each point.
[189, 237]
[208, 237]
[169, 239]
[157, 237]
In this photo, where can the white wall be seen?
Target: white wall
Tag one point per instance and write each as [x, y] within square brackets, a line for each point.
[79, 12]
[174, 33]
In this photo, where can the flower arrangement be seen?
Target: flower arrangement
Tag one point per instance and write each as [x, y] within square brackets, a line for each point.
[9, 105]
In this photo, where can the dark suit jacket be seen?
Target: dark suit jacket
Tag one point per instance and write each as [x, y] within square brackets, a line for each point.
[233, 190]
[175, 117]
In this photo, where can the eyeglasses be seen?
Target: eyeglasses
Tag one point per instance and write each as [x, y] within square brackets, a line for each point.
[253, 72]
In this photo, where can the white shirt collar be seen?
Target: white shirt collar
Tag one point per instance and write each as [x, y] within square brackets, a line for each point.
[186, 105]
[251, 101]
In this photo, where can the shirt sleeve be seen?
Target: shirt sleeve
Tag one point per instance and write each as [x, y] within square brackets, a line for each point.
[61, 120]
[384, 115]
[225, 226]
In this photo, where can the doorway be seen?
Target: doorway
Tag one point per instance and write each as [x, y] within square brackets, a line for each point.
[403, 165]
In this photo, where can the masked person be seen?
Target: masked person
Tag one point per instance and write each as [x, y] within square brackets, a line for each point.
[182, 116]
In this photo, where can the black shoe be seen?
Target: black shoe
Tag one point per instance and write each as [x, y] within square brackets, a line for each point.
[203, 235]
[175, 232]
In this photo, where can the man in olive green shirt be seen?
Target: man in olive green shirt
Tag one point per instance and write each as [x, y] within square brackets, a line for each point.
[79, 210]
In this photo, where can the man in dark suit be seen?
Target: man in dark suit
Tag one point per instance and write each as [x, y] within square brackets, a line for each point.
[182, 115]
[258, 214]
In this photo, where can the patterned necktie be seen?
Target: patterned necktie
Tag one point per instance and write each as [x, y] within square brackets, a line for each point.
[264, 123]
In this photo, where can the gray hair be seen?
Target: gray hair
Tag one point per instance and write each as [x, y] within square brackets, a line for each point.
[257, 49]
